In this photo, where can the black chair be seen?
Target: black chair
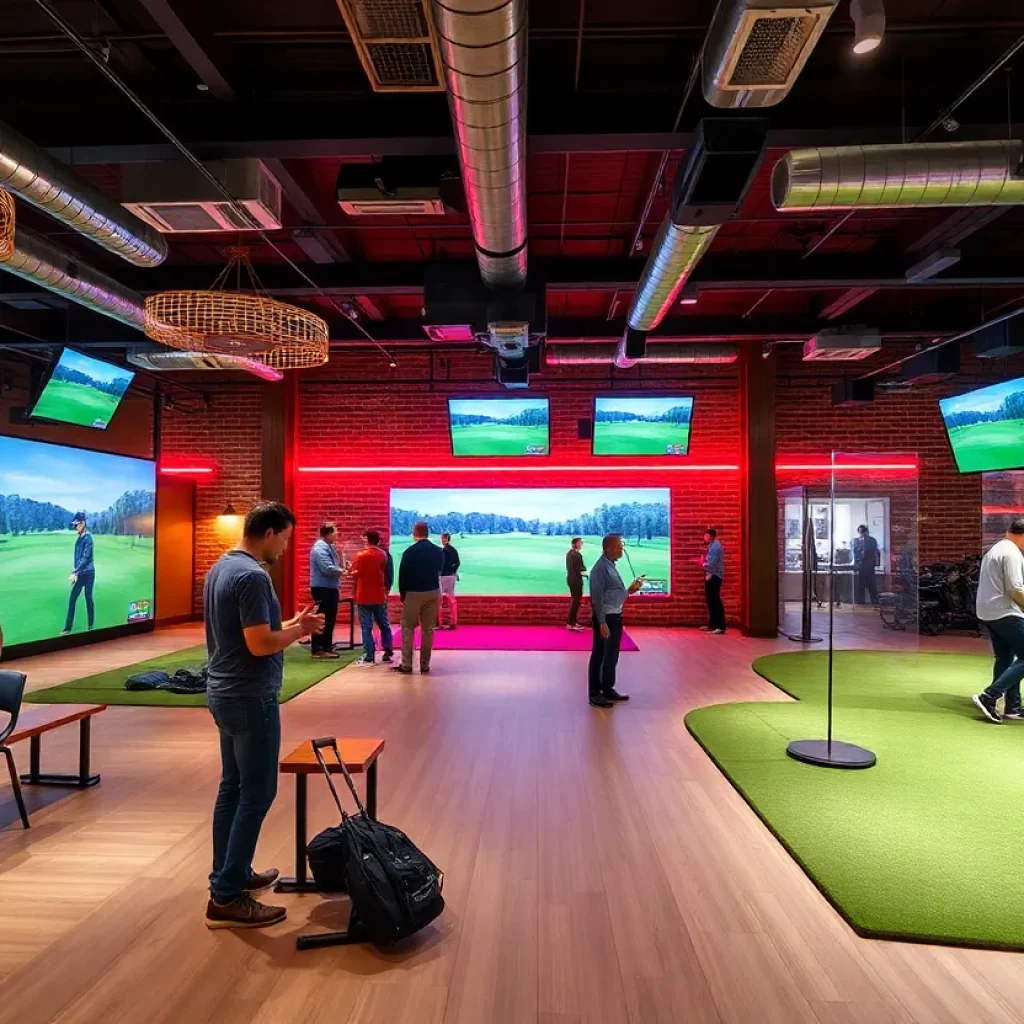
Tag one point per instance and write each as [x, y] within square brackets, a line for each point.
[12, 689]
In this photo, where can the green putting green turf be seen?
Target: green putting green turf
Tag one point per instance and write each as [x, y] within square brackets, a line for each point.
[300, 673]
[34, 585]
[629, 438]
[499, 439]
[981, 446]
[924, 845]
[520, 563]
[69, 402]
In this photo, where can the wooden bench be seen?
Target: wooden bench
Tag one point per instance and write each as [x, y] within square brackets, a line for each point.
[360, 757]
[36, 720]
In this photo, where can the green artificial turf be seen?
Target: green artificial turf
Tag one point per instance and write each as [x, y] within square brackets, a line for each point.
[81, 404]
[926, 844]
[988, 446]
[300, 673]
[632, 438]
[34, 584]
[531, 564]
[499, 439]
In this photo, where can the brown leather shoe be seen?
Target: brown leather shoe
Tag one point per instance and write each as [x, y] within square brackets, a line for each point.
[260, 880]
[244, 912]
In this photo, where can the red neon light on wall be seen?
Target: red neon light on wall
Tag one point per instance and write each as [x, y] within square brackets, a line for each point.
[1001, 510]
[521, 469]
[847, 467]
[186, 470]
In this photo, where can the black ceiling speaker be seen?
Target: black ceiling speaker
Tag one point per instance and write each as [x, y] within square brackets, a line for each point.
[636, 344]
[1000, 340]
[933, 364]
[585, 429]
[513, 373]
[849, 392]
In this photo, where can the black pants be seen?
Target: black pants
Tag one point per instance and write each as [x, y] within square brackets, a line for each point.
[866, 581]
[327, 599]
[604, 656]
[713, 596]
[576, 592]
[85, 581]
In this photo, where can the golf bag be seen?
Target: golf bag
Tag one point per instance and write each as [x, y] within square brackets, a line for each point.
[395, 889]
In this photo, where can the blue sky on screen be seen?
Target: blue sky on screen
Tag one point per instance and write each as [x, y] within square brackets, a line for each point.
[984, 399]
[95, 368]
[74, 479]
[642, 406]
[549, 504]
[498, 408]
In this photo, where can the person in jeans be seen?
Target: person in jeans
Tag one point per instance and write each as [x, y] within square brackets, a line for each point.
[607, 598]
[575, 570]
[714, 572]
[419, 583]
[450, 563]
[1000, 605]
[324, 574]
[83, 576]
[245, 640]
[369, 569]
[865, 558]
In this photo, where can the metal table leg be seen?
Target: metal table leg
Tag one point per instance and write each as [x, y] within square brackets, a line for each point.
[371, 791]
[301, 882]
[83, 780]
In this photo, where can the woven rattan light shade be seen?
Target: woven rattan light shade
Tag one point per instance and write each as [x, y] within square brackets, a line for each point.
[6, 225]
[293, 357]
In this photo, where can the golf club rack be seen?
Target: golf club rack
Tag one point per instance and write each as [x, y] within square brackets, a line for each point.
[942, 598]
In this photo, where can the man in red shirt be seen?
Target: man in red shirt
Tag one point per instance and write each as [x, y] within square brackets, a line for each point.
[368, 570]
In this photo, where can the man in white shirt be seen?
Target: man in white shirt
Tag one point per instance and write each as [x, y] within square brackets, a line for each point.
[1001, 607]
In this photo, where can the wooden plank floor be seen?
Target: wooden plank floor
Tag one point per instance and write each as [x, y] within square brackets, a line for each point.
[598, 867]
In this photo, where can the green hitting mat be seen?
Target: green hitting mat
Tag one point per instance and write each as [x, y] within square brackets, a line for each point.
[926, 844]
[300, 673]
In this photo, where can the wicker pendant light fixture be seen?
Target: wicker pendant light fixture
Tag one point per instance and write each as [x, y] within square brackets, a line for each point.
[6, 225]
[239, 323]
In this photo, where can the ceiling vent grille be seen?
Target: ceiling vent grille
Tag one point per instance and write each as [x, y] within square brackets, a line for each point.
[396, 44]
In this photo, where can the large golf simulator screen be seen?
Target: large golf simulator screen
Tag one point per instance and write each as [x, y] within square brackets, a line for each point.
[76, 540]
[82, 391]
[498, 426]
[514, 541]
[642, 426]
[986, 427]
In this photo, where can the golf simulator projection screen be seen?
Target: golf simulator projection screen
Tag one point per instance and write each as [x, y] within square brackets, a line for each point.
[76, 540]
[514, 540]
[642, 426]
[986, 427]
[498, 426]
[82, 391]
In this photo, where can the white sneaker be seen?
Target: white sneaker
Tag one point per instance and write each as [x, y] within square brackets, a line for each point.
[364, 662]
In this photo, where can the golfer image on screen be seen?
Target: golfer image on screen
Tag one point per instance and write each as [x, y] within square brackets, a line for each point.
[84, 575]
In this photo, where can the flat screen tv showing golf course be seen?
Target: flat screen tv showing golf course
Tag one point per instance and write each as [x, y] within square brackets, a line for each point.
[498, 426]
[82, 391]
[986, 427]
[642, 426]
[513, 541]
[76, 540]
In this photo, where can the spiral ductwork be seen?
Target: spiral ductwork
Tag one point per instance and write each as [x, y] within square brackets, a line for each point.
[603, 353]
[890, 177]
[33, 175]
[36, 260]
[483, 50]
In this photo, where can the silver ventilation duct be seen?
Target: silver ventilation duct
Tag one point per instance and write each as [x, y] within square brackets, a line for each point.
[913, 175]
[483, 51]
[603, 353]
[34, 175]
[36, 260]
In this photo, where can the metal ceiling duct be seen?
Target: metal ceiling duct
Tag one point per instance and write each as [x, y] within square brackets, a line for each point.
[34, 175]
[603, 353]
[928, 174]
[483, 51]
[36, 260]
[755, 49]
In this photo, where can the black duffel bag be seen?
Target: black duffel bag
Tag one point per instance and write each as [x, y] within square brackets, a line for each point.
[394, 887]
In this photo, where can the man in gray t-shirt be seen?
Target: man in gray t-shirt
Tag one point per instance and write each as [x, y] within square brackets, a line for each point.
[246, 639]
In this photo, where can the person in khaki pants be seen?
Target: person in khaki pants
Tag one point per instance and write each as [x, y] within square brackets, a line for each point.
[419, 584]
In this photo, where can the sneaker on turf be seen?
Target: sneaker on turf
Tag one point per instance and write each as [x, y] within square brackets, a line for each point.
[244, 912]
[987, 706]
[364, 662]
[1017, 714]
[325, 655]
[260, 880]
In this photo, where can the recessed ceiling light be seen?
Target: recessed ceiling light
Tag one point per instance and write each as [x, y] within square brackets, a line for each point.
[202, 87]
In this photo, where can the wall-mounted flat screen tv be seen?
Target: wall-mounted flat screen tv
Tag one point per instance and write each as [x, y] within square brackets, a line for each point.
[986, 427]
[82, 391]
[483, 427]
[642, 426]
[76, 540]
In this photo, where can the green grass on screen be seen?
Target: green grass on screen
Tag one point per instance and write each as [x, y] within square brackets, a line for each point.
[498, 439]
[632, 438]
[925, 844]
[76, 403]
[518, 563]
[34, 586]
[989, 446]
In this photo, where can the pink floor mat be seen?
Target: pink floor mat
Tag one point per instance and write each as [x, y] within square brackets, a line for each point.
[513, 638]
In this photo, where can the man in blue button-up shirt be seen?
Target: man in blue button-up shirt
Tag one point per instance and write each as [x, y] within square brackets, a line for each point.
[714, 573]
[607, 598]
[324, 574]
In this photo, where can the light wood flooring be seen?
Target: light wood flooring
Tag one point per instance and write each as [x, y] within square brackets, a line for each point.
[598, 867]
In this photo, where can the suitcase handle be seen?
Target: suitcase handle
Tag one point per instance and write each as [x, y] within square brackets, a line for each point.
[332, 743]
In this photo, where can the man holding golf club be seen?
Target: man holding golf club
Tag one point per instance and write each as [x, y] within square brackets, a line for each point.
[83, 577]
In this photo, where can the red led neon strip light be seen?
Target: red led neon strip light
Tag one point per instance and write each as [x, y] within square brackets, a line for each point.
[186, 470]
[519, 469]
